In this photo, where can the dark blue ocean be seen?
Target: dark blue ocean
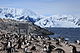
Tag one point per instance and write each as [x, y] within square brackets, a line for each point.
[72, 34]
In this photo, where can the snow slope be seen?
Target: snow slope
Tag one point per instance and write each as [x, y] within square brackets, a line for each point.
[58, 21]
[19, 14]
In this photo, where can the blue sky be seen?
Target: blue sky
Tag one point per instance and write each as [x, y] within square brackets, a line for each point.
[45, 7]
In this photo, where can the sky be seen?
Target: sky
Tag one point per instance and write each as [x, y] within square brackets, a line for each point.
[46, 7]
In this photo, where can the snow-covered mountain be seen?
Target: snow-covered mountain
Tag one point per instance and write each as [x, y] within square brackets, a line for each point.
[42, 21]
[19, 14]
[59, 21]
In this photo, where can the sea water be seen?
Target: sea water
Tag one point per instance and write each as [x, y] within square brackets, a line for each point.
[72, 34]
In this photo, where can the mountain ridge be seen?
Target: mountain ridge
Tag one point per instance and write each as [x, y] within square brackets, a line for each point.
[59, 21]
[17, 13]
[23, 14]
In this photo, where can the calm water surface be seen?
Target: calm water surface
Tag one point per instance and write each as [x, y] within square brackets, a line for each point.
[71, 33]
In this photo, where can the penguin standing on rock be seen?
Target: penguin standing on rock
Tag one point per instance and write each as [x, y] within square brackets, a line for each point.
[9, 46]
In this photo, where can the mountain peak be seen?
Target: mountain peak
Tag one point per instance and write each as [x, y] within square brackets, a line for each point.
[16, 13]
[59, 21]
[23, 14]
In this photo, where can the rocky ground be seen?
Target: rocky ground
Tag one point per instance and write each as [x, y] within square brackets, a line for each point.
[33, 42]
[42, 44]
